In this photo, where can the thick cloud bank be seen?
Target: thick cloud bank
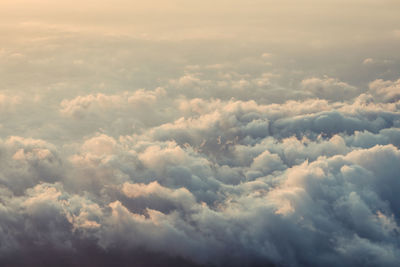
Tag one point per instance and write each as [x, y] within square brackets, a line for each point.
[199, 133]
[208, 182]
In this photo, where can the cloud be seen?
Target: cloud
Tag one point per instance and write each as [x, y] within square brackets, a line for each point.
[274, 181]
[386, 91]
[329, 88]
[368, 61]
[170, 146]
[82, 106]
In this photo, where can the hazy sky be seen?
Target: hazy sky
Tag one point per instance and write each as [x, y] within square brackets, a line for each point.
[199, 133]
[299, 21]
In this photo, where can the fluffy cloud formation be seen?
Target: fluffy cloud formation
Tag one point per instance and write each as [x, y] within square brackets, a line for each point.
[387, 91]
[329, 88]
[303, 183]
[199, 134]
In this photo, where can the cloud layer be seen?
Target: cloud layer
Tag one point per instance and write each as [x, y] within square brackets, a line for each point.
[213, 182]
[221, 134]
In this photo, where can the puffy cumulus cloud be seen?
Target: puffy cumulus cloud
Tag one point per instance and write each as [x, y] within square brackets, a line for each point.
[26, 162]
[229, 80]
[158, 197]
[329, 88]
[124, 112]
[325, 206]
[82, 106]
[99, 145]
[258, 138]
[239, 154]
[212, 183]
[386, 91]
